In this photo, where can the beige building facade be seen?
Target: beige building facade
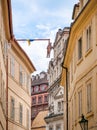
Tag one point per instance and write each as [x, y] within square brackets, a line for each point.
[80, 64]
[19, 88]
[4, 39]
[15, 80]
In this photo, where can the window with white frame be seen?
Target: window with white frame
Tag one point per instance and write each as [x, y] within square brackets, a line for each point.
[12, 67]
[89, 102]
[80, 48]
[12, 110]
[88, 38]
[20, 113]
[80, 102]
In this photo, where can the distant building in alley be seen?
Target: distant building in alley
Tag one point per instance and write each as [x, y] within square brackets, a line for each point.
[55, 116]
[39, 122]
[39, 94]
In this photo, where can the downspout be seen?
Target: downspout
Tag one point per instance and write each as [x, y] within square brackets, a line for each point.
[66, 95]
[7, 92]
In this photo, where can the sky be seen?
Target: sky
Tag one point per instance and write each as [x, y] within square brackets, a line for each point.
[40, 19]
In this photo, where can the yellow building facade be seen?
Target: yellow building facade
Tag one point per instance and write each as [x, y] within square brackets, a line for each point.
[80, 66]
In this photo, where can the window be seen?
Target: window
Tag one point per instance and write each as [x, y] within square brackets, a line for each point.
[46, 98]
[58, 127]
[36, 88]
[12, 66]
[89, 97]
[20, 113]
[80, 48]
[80, 102]
[32, 90]
[88, 38]
[28, 84]
[28, 119]
[40, 99]
[24, 77]
[71, 68]
[21, 75]
[43, 87]
[50, 128]
[59, 106]
[34, 100]
[12, 112]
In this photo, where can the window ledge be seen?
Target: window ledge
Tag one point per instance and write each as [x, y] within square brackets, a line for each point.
[79, 61]
[88, 52]
[89, 114]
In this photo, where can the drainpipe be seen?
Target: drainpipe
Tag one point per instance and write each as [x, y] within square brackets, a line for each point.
[66, 95]
[7, 92]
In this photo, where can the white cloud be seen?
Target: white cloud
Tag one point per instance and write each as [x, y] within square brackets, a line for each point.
[31, 19]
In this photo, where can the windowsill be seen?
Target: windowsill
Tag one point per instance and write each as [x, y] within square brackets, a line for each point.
[79, 61]
[88, 52]
[89, 114]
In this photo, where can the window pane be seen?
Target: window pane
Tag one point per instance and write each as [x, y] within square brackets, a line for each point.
[21, 113]
[12, 109]
[80, 102]
[88, 37]
[27, 118]
[79, 48]
[21, 75]
[89, 97]
[12, 66]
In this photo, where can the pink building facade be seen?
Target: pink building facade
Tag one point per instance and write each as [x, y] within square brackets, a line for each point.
[39, 95]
